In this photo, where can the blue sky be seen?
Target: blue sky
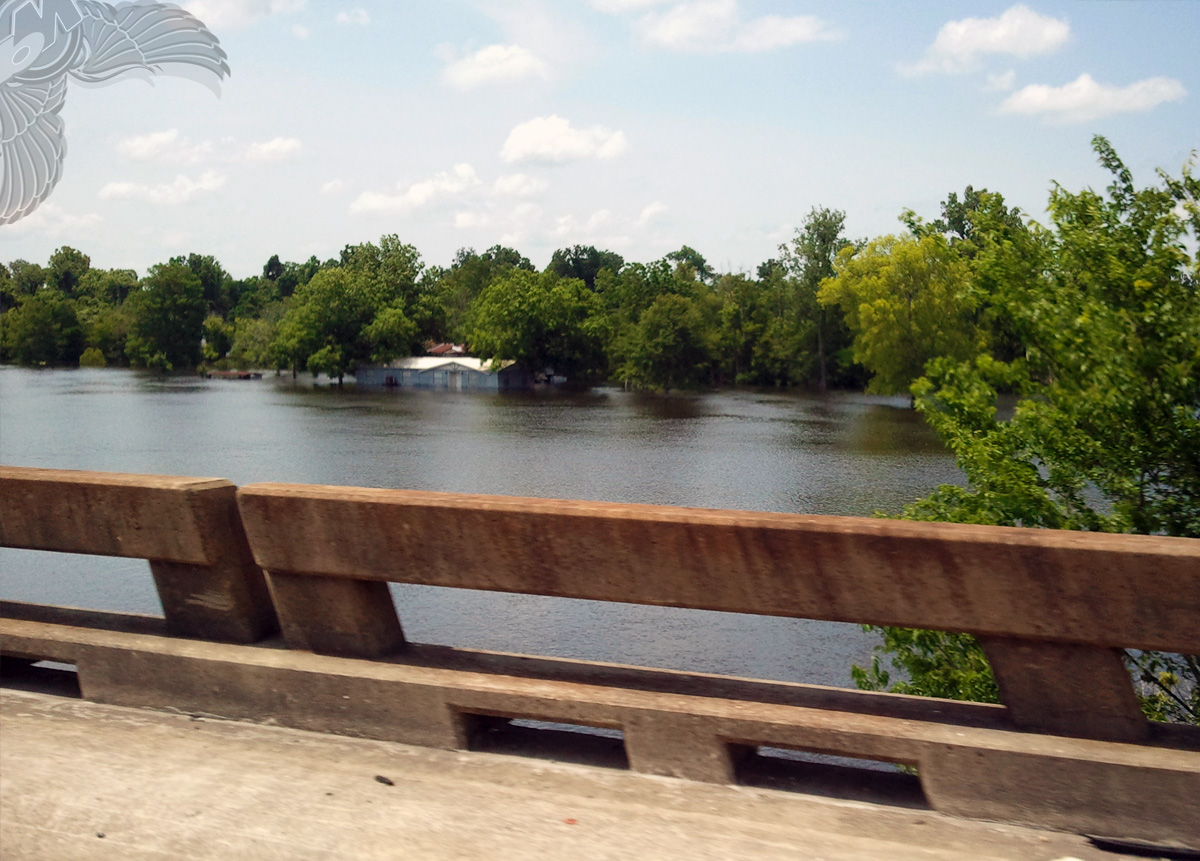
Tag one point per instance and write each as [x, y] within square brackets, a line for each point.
[634, 125]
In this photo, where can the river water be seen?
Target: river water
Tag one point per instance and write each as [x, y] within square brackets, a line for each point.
[768, 451]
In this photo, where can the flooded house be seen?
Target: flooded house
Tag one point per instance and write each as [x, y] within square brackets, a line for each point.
[451, 371]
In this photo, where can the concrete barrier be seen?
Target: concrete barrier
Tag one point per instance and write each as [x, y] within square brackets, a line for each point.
[187, 528]
[1069, 749]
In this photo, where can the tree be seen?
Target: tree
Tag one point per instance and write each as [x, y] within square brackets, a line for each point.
[907, 301]
[584, 262]
[693, 260]
[544, 322]
[1106, 433]
[810, 261]
[67, 268]
[43, 330]
[336, 321]
[106, 286]
[218, 337]
[470, 273]
[215, 282]
[670, 348]
[27, 278]
[166, 319]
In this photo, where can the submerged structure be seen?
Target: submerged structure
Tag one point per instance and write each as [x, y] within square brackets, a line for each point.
[454, 372]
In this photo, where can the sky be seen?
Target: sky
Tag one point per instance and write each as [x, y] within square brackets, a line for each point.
[637, 126]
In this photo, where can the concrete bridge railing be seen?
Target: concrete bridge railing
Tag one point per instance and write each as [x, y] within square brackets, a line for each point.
[1069, 748]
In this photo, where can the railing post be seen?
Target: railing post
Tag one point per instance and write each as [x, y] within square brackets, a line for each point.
[1066, 689]
[226, 599]
[336, 616]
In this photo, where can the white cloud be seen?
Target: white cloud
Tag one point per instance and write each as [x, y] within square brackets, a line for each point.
[619, 6]
[444, 184]
[717, 25]
[1084, 99]
[276, 149]
[357, 15]
[464, 220]
[564, 225]
[518, 185]
[182, 190]
[649, 212]
[300, 31]
[334, 186]
[554, 140]
[49, 220]
[232, 14]
[1019, 31]
[1002, 83]
[598, 219]
[163, 146]
[493, 64]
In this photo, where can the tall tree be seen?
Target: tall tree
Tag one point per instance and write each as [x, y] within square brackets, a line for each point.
[907, 301]
[584, 262]
[215, 282]
[337, 321]
[66, 269]
[166, 319]
[544, 322]
[693, 260]
[809, 258]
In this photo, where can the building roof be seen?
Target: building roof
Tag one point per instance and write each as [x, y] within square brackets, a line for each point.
[449, 363]
[450, 349]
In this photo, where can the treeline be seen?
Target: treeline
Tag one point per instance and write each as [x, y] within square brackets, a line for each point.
[589, 316]
[827, 312]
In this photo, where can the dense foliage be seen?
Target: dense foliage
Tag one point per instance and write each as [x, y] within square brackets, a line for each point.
[1105, 432]
[589, 316]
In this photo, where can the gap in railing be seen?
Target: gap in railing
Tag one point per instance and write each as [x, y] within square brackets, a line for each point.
[701, 641]
[831, 776]
[77, 580]
[563, 742]
[43, 677]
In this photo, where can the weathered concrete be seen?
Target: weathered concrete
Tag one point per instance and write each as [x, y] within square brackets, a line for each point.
[969, 759]
[1052, 607]
[81, 780]
[1070, 749]
[188, 528]
[1093, 589]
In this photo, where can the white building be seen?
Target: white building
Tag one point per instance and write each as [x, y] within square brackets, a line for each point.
[459, 373]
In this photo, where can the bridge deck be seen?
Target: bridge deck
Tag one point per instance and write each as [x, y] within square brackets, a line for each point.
[160, 785]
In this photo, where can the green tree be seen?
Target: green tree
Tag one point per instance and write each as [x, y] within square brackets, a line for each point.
[544, 322]
[27, 278]
[42, 330]
[671, 346]
[470, 273]
[253, 338]
[907, 301]
[106, 286]
[166, 319]
[693, 260]
[218, 337]
[584, 262]
[66, 269]
[337, 321]
[215, 282]
[1106, 433]
[809, 259]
